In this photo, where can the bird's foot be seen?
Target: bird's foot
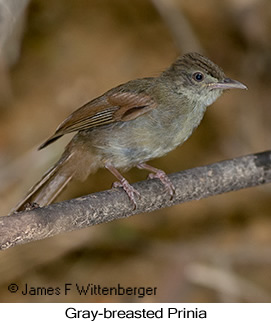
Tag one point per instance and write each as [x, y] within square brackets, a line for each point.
[161, 175]
[123, 183]
[128, 188]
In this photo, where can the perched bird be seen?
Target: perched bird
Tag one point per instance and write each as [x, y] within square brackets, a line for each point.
[131, 124]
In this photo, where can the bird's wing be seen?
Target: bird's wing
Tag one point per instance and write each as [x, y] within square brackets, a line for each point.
[109, 108]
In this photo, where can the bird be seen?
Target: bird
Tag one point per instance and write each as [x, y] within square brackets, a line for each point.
[131, 124]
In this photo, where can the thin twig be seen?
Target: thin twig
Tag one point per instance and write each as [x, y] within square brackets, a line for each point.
[192, 184]
[179, 26]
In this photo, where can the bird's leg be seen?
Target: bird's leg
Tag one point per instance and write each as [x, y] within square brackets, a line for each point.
[122, 182]
[161, 175]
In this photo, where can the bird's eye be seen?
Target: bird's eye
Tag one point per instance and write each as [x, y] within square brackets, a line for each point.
[198, 76]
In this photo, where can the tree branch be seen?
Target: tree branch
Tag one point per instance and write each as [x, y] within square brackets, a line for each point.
[191, 184]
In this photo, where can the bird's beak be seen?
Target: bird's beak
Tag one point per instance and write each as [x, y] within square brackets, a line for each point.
[227, 84]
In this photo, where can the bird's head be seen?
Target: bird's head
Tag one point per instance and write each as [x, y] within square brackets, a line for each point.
[196, 76]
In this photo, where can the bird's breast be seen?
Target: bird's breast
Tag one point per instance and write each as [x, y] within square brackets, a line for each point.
[125, 144]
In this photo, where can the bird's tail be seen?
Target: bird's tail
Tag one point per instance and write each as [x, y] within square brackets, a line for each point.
[50, 185]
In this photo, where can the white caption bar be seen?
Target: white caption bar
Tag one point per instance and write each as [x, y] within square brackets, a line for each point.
[116, 312]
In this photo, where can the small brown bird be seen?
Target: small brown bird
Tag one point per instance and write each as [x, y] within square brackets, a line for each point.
[133, 123]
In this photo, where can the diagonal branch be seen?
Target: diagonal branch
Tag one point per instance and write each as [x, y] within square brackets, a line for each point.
[179, 26]
[191, 184]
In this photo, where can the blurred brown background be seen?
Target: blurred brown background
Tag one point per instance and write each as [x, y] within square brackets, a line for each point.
[60, 54]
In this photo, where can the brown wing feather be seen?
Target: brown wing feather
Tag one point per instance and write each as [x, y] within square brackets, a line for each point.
[131, 105]
[120, 106]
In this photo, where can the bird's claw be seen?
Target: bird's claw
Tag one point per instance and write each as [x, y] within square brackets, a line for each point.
[128, 188]
[162, 176]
